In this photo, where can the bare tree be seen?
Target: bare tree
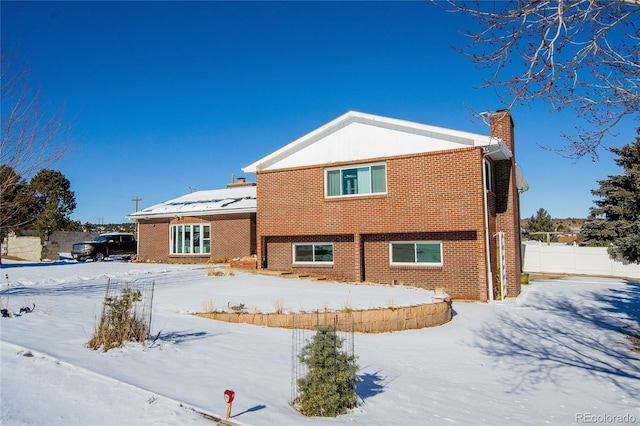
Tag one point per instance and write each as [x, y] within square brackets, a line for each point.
[32, 139]
[576, 54]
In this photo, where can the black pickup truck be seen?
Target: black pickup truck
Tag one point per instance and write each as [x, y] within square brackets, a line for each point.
[105, 245]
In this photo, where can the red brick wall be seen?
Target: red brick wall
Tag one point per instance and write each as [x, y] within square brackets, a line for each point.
[153, 240]
[461, 273]
[231, 236]
[507, 202]
[430, 194]
[280, 255]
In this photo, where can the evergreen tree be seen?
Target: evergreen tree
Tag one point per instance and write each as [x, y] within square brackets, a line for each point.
[541, 222]
[55, 201]
[615, 221]
[18, 205]
[329, 388]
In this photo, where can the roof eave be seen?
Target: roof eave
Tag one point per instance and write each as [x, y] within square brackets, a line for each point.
[498, 150]
[146, 216]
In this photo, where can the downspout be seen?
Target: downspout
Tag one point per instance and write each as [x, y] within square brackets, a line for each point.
[137, 226]
[486, 231]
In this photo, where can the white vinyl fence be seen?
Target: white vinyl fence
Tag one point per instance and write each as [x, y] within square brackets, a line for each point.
[564, 259]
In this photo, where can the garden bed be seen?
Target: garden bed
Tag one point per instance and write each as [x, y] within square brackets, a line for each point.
[378, 320]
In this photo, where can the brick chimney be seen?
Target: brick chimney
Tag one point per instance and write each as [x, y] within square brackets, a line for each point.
[502, 127]
[240, 182]
[507, 201]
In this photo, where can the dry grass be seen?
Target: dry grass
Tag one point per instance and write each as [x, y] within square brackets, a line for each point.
[220, 271]
[112, 333]
[121, 321]
[208, 306]
[215, 272]
[635, 342]
[279, 306]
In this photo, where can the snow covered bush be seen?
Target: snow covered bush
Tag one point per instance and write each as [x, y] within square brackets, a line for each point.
[121, 321]
[329, 388]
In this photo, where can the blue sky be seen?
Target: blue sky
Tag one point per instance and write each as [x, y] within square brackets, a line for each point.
[164, 96]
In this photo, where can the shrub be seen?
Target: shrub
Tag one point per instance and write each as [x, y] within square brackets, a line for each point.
[120, 321]
[329, 388]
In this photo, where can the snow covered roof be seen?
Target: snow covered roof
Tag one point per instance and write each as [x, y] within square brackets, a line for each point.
[241, 199]
[359, 136]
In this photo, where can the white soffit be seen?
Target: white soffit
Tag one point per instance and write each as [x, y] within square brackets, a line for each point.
[498, 150]
[358, 136]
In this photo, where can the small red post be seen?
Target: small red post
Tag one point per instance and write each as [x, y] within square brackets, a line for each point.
[229, 395]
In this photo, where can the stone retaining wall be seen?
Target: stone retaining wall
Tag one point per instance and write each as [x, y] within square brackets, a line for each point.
[365, 321]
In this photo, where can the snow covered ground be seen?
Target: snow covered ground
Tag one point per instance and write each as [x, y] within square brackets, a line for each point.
[554, 355]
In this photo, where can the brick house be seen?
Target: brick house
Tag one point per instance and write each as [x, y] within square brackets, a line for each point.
[374, 199]
[200, 227]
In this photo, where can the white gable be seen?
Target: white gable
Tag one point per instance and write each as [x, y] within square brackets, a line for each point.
[241, 199]
[356, 136]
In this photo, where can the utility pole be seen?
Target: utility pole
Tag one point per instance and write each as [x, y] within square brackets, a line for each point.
[136, 201]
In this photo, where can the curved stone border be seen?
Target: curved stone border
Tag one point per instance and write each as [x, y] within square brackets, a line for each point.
[365, 321]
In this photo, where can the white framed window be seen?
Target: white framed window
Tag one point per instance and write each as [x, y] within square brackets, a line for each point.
[356, 180]
[415, 253]
[488, 175]
[190, 239]
[316, 253]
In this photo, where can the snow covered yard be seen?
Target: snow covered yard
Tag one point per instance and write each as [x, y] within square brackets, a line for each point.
[554, 355]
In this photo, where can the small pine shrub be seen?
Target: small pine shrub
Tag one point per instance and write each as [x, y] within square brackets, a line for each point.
[120, 322]
[329, 388]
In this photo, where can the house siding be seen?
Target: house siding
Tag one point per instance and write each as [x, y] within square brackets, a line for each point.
[430, 196]
[460, 274]
[153, 240]
[232, 235]
[280, 255]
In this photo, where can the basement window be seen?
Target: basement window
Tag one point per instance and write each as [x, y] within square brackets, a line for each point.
[315, 253]
[416, 252]
[356, 180]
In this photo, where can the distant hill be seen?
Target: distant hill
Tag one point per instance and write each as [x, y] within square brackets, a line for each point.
[570, 225]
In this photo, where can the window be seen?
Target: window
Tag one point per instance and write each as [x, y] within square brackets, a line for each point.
[313, 253]
[368, 179]
[420, 252]
[190, 239]
[488, 176]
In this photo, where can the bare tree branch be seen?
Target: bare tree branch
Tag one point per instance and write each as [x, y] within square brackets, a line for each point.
[32, 139]
[582, 55]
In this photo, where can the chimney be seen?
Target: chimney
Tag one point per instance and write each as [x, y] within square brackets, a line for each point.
[507, 216]
[502, 127]
[240, 182]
